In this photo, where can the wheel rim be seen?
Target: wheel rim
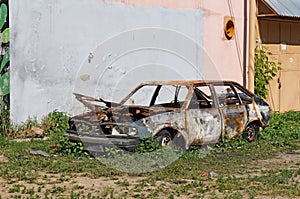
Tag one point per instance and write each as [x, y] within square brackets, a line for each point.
[251, 133]
[165, 141]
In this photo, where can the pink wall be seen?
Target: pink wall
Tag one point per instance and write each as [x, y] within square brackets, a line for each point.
[227, 56]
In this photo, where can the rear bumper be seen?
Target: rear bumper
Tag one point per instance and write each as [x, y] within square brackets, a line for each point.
[97, 143]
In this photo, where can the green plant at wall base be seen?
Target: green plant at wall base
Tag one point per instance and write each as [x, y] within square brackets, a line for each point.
[55, 125]
[265, 71]
[5, 125]
[55, 122]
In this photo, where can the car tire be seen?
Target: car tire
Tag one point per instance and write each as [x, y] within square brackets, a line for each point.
[164, 138]
[251, 132]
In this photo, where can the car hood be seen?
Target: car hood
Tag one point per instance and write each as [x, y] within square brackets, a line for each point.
[106, 111]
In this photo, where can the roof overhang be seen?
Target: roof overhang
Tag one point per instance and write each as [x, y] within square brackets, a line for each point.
[279, 9]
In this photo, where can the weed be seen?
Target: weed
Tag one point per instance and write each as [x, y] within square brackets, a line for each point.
[74, 195]
[231, 144]
[77, 187]
[58, 190]
[284, 129]
[265, 71]
[124, 183]
[140, 162]
[108, 191]
[67, 147]
[148, 145]
[15, 189]
[5, 126]
[55, 123]
[30, 191]
[234, 161]
[111, 151]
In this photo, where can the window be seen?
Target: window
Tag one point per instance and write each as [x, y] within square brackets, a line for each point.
[164, 95]
[246, 99]
[171, 96]
[226, 95]
[201, 98]
[142, 97]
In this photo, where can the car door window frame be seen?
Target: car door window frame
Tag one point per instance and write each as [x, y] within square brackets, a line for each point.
[248, 99]
[195, 93]
[226, 98]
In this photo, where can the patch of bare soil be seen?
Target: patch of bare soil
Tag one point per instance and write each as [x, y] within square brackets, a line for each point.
[64, 186]
[284, 160]
[288, 160]
[61, 186]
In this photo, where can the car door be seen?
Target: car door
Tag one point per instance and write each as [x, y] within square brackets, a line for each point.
[203, 118]
[234, 113]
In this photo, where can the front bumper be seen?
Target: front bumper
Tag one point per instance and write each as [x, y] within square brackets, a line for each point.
[98, 143]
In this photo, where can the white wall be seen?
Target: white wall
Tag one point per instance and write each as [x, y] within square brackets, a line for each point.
[95, 48]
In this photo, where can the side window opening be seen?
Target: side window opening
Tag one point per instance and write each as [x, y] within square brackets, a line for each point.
[142, 97]
[201, 98]
[226, 95]
[246, 99]
[170, 96]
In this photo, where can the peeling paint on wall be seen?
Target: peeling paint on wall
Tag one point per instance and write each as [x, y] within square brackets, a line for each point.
[4, 52]
[51, 40]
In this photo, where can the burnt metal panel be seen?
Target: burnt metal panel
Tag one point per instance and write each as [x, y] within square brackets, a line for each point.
[204, 126]
[235, 119]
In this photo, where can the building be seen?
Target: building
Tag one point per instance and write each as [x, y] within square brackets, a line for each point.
[104, 48]
[279, 27]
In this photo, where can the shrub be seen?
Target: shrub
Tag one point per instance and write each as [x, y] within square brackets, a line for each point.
[5, 126]
[265, 71]
[55, 123]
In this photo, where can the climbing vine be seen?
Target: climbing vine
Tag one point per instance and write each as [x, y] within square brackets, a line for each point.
[265, 71]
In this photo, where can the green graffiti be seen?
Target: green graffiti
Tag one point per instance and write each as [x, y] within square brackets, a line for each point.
[5, 85]
[3, 14]
[5, 36]
[5, 60]
[4, 49]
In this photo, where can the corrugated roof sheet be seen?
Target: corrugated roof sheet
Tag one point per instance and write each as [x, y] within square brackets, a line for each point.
[288, 8]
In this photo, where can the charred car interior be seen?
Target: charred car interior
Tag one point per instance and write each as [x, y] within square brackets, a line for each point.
[177, 113]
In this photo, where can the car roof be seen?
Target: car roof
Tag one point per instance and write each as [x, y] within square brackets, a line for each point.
[187, 82]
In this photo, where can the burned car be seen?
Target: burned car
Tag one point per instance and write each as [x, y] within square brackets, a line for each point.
[177, 113]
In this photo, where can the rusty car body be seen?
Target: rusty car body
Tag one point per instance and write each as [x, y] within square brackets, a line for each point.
[182, 113]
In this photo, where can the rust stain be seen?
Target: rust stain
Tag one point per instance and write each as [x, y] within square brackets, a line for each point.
[239, 121]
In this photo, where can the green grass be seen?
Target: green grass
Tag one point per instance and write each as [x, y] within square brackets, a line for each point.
[241, 169]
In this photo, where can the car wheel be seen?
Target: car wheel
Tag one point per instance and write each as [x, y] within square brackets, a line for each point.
[177, 142]
[251, 132]
[164, 138]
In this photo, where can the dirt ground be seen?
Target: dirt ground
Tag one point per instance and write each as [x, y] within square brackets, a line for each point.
[60, 186]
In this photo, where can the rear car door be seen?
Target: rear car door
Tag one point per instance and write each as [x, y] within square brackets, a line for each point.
[234, 112]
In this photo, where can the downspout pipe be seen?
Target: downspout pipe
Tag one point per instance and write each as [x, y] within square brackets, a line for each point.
[252, 44]
[245, 40]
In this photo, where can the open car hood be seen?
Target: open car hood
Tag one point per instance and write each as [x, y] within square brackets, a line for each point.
[106, 111]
